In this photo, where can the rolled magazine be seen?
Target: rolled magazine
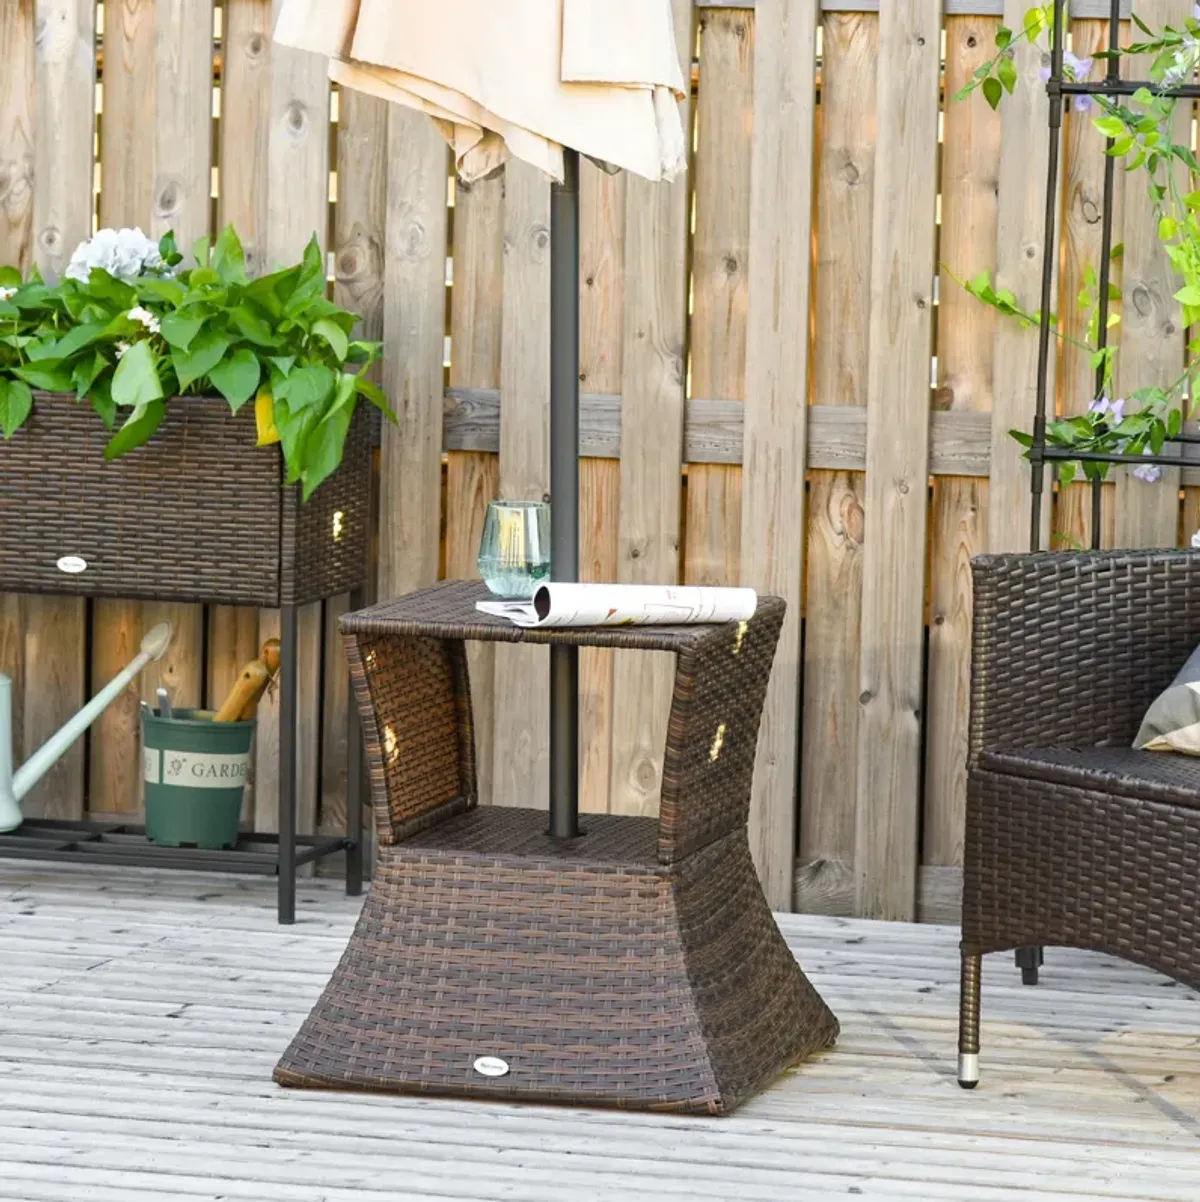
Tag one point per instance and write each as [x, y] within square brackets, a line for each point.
[625, 605]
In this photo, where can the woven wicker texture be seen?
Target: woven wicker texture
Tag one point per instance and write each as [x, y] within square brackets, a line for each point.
[600, 976]
[636, 966]
[1069, 650]
[198, 514]
[1072, 838]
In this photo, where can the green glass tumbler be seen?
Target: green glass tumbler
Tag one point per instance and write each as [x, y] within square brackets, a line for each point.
[514, 555]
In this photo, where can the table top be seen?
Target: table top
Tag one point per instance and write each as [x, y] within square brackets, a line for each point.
[447, 611]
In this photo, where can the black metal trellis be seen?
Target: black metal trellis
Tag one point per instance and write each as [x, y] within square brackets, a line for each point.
[1060, 90]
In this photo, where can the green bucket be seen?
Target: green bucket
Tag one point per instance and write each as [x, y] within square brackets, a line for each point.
[195, 773]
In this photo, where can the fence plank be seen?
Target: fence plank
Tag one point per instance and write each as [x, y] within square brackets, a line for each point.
[358, 274]
[234, 633]
[653, 386]
[17, 139]
[1019, 232]
[965, 338]
[1083, 186]
[602, 307]
[414, 328]
[297, 186]
[1151, 343]
[126, 198]
[181, 187]
[725, 109]
[776, 384]
[232, 643]
[521, 752]
[833, 596]
[473, 477]
[55, 627]
[902, 263]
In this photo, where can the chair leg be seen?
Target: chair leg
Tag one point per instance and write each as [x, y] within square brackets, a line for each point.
[968, 1021]
[1028, 960]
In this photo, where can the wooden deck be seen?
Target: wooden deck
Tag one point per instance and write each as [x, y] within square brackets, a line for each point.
[141, 1014]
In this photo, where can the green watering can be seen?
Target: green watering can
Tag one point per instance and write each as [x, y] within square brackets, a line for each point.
[14, 785]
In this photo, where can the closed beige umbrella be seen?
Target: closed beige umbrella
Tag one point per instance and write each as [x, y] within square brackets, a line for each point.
[545, 80]
[521, 77]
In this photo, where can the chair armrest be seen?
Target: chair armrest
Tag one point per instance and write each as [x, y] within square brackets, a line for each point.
[414, 698]
[1072, 648]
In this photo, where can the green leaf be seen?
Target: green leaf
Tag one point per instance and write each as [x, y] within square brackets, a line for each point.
[375, 395]
[135, 382]
[253, 327]
[86, 372]
[229, 259]
[1110, 127]
[51, 377]
[179, 330]
[75, 340]
[10, 277]
[1189, 294]
[293, 429]
[104, 407]
[284, 363]
[323, 449]
[305, 387]
[1066, 473]
[169, 250]
[16, 403]
[139, 427]
[204, 353]
[201, 251]
[1174, 423]
[1167, 228]
[1006, 73]
[334, 335]
[1141, 24]
[1035, 19]
[992, 91]
[236, 379]
[1003, 38]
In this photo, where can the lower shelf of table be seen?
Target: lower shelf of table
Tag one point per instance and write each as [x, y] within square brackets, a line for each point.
[126, 844]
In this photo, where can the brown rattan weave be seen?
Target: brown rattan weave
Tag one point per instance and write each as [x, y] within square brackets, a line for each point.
[197, 514]
[635, 966]
[1073, 839]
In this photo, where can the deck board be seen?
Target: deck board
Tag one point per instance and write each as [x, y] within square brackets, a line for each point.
[141, 1015]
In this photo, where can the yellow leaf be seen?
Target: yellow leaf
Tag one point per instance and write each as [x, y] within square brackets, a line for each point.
[264, 415]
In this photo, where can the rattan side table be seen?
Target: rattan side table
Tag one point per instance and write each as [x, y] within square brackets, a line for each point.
[638, 965]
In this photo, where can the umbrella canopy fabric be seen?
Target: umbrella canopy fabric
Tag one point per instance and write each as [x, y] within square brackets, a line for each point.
[514, 77]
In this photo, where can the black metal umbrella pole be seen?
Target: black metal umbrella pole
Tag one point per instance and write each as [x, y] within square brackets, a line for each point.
[564, 489]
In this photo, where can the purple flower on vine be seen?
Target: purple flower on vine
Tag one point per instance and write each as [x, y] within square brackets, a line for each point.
[1114, 411]
[1075, 70]
[1149, 472]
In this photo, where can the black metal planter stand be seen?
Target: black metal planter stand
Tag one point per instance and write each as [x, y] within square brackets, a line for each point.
[125, 843]
[1060, 90]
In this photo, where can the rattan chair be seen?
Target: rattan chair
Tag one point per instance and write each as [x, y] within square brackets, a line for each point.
[1073, 839]
[638, 965]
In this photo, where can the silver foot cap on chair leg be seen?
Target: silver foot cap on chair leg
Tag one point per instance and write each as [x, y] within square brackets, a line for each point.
[968, 1069]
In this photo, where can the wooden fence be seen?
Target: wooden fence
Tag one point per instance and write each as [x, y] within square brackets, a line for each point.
[787, 310]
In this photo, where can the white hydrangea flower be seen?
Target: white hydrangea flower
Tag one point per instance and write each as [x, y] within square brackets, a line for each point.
[125, 254]
[7, 294]
[146, 318]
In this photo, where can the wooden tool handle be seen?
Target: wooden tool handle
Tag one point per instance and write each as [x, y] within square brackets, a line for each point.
[244, 695]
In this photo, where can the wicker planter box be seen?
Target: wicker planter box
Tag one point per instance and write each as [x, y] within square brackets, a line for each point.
[197, 514]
